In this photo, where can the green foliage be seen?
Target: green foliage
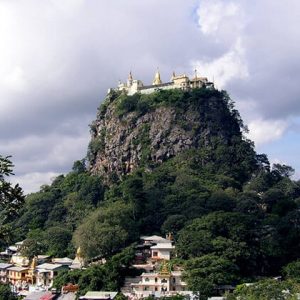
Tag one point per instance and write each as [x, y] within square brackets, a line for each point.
[232, 217]
[215, 106]
[292, 270]
[223, 234]
[127, 104]
[205, 273]
[120, 296]
[6, 293]
[58, 209]
[79, 166]
[265, 290]
[283, 170]
[109, 276]
[57, 240]
[106, 231]
[174, 297]
[31, 248]
[11, 198]
[97, 144]
[220, 200]
[144, 141]
[173, 224]
[100, 239]
[104, 106]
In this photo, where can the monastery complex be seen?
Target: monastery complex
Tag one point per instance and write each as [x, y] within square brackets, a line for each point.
[182, 82]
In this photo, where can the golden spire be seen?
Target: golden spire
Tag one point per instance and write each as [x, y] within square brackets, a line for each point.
[33, 263]
[164, 269]
[78, 252]
[157, 79]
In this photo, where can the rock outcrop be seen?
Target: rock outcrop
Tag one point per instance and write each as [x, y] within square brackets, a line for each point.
[122, 142]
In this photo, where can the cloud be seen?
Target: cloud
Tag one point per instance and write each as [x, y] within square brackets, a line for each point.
[54, 152]
[223, 23]
[214, 13]
[15, 79]
[265, 131]
[230, 66]
[33, 181]
[59, 57]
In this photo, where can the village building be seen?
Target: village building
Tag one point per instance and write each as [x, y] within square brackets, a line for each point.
[7, 253]
[153, 248]
[4, 272]
[154, 239]
[10, 251]
[17, 275]
[164, 281]
[19, 260]
[65, 261]
[99, 295]
[157, 279]
[182, 82]
[70, 288]
[162, 251]
[46, 272]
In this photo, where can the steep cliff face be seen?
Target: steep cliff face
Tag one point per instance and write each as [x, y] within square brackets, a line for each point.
[146, 130]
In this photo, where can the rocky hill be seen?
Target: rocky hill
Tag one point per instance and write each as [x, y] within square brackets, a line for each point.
[146, 130]
[186, 169]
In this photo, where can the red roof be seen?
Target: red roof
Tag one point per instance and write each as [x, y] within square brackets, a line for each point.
[47, 297]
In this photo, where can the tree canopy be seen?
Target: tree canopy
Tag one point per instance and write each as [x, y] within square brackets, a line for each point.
[11, 197]
[233, 216]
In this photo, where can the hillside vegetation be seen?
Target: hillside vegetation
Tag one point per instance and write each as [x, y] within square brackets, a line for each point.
[233, 216]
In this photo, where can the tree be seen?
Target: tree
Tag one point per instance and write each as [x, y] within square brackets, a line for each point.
[196, 238]
[6, 293]
[57, 240]
[109, 276]
[173, 224]
[79, 166]
[220, 200]
[99, 239]
[193, 242]
[31, 248]
[283, 170]
[292, 270]
[205, 273]
[11, 197]
[265, 290]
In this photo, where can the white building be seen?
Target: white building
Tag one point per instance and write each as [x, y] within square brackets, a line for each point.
[162, 251]
[154, 239]
[183, 82]
[164, 282]
[45, 273]
[94, 295]
[65, 261]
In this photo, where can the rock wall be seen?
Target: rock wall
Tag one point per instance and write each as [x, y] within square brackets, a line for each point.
[121, 144]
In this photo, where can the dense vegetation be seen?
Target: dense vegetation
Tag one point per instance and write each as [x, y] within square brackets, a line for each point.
[233, 216]
[11, 199]
[6, 293]
[107, 277]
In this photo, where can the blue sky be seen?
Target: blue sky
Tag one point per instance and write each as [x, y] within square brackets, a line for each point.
[59, 57]
[284, 150]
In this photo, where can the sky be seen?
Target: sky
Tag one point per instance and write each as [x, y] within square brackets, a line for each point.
[59, 57]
